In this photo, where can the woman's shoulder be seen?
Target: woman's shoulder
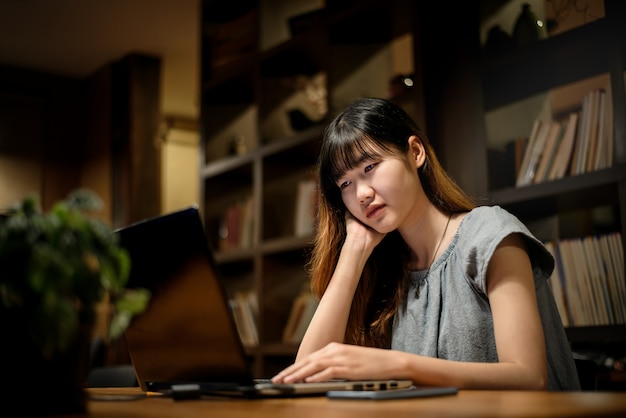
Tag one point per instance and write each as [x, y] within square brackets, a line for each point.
[484, 227]
[493, 218]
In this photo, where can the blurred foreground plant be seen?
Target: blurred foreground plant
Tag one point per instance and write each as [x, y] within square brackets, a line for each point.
[56, 267]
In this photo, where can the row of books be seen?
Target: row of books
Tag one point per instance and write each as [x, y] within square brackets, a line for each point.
[245, 308]
[237, 222]
[588, 280]
[580, 143]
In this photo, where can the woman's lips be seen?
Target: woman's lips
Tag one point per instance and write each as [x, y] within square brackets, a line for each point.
[373, 210]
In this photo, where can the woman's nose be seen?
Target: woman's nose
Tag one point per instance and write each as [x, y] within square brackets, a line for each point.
[364, 193]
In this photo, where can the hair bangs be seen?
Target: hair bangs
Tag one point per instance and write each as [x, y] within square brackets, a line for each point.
[347, 152]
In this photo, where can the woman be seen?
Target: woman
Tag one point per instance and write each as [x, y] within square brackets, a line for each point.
[415, 281]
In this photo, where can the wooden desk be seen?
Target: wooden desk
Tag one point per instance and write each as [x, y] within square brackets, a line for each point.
[466, 403]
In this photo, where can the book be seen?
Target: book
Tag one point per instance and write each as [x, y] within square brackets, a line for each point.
[617, 261]
[603, 278]
[302, 311]
[533, 155]
[520, 145]
[595, 276]
[547, 157]
[297, 308]
[581, 133]
[594, 122]
[304, 219]
[603, 156]
[600, 154]
[237, 225]
[609, 128]
[564, 150]
[526, 158]
[587, 134]
[305, 319]
[245, 313]
[589, 305]
[574, 293]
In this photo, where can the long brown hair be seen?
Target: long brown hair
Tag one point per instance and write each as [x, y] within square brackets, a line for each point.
[366, 128]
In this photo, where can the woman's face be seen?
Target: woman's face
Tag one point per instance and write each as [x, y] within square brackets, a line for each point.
[382, 191]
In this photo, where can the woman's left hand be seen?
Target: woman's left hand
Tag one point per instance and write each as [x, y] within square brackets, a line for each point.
[340, 361]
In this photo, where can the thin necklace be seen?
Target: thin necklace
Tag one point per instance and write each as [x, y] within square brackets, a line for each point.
[417, 289]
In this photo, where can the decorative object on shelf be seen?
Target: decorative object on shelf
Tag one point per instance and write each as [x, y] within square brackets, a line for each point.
[562, 16]
[309, 102]
[528, 28]
[238, 145]
[298, 120]
[498, 42]
[56, 267]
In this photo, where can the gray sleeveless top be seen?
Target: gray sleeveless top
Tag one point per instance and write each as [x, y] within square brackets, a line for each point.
[451, 318]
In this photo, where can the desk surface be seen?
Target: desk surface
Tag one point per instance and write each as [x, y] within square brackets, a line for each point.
[466, 403]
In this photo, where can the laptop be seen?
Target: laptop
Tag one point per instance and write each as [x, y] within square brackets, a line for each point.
[186, 343]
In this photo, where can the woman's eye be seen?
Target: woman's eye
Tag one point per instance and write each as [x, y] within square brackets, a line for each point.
[369, 167]
[344, 185]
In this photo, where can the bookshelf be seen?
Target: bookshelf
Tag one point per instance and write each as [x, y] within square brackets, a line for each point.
[468, 92]
[273, 73]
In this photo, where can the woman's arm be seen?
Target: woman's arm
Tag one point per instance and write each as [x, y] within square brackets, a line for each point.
[518, 331]
[331, 316]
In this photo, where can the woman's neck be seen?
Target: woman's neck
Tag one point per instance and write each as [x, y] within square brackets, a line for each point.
[428, 236]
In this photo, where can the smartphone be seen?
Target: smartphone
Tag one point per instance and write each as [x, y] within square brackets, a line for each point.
[413, 392]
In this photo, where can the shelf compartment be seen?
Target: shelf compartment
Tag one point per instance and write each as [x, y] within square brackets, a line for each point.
[295, 155]
[383, 20]
[227, 38]
[231, 85]
[228, 130]
[284, 168]
[510, 126]
[229, 208]
[302, 54]
[236, 275]
[577, 54]
[284, 278]
[280, 201]
[290, 106]
[292, 86]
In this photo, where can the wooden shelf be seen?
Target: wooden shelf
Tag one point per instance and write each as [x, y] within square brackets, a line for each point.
[244, 96]
[581, 191]
[605, 334]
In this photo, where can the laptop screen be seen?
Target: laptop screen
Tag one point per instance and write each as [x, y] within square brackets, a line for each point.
[187, 332]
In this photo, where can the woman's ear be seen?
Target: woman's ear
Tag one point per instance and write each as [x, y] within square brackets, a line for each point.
[417, 153]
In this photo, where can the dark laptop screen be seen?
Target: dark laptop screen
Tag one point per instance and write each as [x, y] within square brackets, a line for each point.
[187, 333]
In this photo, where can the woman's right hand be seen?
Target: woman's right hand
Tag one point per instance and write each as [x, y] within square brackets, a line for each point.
[358, 233]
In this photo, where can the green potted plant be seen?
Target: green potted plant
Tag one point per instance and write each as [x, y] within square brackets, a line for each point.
[55, 268]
